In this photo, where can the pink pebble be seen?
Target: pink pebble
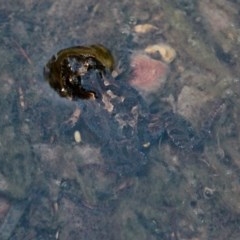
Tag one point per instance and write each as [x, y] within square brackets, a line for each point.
[148, 75]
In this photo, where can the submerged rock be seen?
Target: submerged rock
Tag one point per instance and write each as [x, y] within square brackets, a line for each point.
[148, 75]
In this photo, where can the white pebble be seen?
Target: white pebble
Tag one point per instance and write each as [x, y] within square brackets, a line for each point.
[167, 53]
[77, 136]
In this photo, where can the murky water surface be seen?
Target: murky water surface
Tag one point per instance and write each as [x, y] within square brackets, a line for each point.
[67, 172]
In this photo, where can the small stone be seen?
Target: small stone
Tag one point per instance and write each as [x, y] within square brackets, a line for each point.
[146, 144]
[167, 53]
[77, 136]
[208, 192]
[144, 28]
[190, 100]
[148, 75]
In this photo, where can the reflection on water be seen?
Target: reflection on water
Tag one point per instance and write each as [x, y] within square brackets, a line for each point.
[55, 186]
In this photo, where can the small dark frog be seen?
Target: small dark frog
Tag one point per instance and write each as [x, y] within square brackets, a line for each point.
[114, 111]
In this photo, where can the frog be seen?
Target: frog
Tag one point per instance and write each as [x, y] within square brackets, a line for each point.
[125, 124]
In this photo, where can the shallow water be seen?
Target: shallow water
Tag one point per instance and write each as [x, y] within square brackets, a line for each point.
[55, 188]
